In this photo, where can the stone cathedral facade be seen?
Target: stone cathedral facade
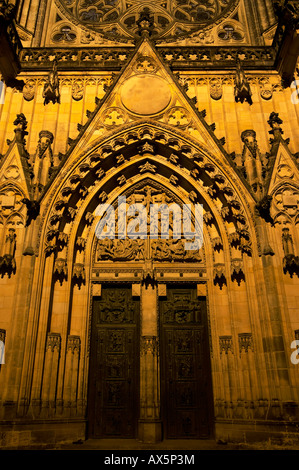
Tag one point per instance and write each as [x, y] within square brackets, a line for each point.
[160, 102]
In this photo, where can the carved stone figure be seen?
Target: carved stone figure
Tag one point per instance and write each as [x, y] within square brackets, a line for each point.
[173, 250]
[252, 161]
[10, 243]
[287, 242]
[20, 130]
[51, 90]
[120, 250]
[33, 208]
[242, 87]
[275, 124]
[7, 261]
[290, 261]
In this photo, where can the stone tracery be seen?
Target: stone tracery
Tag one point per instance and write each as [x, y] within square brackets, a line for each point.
[171, 18]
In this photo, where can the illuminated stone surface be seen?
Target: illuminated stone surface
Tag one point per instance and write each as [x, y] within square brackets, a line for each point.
[145, 94]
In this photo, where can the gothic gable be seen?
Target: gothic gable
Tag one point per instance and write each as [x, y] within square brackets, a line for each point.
[284, 188]
[285, 170]
[15, 166]
[146, 91]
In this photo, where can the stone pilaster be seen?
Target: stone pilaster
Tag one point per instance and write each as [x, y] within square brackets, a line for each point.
[149, 429]
[52, 356]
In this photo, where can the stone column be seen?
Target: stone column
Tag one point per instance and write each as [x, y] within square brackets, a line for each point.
[149, 426]
[263, 14]
[38, 21]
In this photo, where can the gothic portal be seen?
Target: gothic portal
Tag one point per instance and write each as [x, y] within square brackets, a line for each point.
[111, 108]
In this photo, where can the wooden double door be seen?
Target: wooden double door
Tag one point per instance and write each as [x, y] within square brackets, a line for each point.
[114, 381]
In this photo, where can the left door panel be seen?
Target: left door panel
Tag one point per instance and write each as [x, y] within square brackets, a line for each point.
[113, 404]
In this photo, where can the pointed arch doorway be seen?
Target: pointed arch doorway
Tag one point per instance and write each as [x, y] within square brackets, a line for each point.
[149, 358]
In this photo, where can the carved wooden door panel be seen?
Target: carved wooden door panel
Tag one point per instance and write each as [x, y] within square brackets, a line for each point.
[186, 394]
[114, 365]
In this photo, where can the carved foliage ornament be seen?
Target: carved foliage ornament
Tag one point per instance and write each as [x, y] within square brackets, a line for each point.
[245, 342]
[216, 90]
[226, 344]
[73, 344]
[53, 342]
[77, 90]
[29, 90]
[149, 345]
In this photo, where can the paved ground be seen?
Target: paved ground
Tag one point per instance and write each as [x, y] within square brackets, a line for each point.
[128, 444]
[174, 445]
[125, 445]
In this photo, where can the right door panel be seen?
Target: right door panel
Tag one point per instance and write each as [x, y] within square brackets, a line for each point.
[186, 392]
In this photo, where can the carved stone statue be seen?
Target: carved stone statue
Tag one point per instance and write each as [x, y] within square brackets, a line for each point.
[33, 208]
[7, 261]
[242, 87]
[51, 88]
[287, 242]
[290, 261]
[263, 207]
[10, 243]
[252, 161]
[20, 130]
[275, 124]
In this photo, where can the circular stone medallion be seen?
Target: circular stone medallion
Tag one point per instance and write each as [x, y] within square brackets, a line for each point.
[145, 94]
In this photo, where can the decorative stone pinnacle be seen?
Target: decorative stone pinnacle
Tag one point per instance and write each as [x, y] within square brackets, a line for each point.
[276, 130]
[145, 23]
[274, 122]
